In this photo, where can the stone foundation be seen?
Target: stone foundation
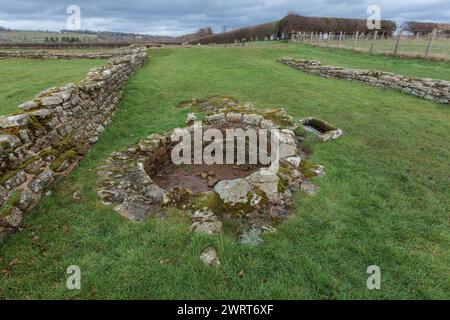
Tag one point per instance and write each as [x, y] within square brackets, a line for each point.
[41, 54]
[258, 199]
[50, 135]
[430, 89]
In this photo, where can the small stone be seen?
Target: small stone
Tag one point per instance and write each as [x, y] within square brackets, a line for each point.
[191, 118]
[27, 198]
[266, 181]
[40, 182]
[9, 141]
[76, 197]
[255, 200]
[51, 101]
[41, 113]
[14, 219]
[165, 262]
[234, 117]
[216, 118]
[208, 227]
[203, 175]
[233, 191]
[15, 180]
[136, 208]
[154, 194]
[19, 120]
[212, 182]
[203, 214]
[210, 257]
[252, 119]
[3, 195]
[309, 188]
[294, 161]
[28, 105]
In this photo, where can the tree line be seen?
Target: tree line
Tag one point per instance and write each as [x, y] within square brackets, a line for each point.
[64, 39]
[422, 28]
[297, 23]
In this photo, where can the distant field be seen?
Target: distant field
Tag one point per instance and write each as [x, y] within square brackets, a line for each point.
[407, 46]
[21, 79]
[40, 36]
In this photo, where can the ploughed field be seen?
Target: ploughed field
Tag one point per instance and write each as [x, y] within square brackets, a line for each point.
[22, 79]
[384, 200]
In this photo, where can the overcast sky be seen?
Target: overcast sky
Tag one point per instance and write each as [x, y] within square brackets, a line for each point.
[176, 17]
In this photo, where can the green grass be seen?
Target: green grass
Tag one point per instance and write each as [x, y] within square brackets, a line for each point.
[22, 79]
[407, 46]
[384, 200]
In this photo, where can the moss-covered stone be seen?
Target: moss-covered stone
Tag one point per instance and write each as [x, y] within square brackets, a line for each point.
[58, 163]
[308, 169]
[13, 201]
[49, 152]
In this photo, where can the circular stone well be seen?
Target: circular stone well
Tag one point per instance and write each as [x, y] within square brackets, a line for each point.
[143, 181]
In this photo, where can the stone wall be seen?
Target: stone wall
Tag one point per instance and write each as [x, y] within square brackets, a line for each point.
[430, 89]
[41, 54]
[50, 135]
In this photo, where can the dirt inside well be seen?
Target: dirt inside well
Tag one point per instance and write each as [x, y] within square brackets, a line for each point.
[198, 178]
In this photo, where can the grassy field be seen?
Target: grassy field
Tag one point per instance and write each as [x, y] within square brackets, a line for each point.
[21, 79]
[384, 200]
[419, 47]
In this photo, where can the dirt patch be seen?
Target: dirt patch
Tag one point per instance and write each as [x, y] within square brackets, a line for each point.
[198, 178]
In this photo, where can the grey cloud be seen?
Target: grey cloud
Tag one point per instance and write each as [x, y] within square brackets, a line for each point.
[175, 17]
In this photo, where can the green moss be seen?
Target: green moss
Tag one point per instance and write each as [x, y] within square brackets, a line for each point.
[14, 198]
[29, 161]
[13, 201]
[49, 152]
[216, 205]
[278, 117]
[65, 143]
[300, 131]
[14, 131]
[308, 169]
[8, 175]
[181, 198]
[5, 210]
[67, 156]
[34, 124]
[282, 185]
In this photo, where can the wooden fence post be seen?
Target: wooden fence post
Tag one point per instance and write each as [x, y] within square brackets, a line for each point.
[356, 40]
[312, 36]
[340, 38]
[398, 42]
[375, 33]
[430, 44]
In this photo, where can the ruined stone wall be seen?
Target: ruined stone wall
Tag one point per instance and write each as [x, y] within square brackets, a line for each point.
[430, 89]
[36, 54]
[50, 135]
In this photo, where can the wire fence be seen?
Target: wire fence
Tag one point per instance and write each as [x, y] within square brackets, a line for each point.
[433, 45]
